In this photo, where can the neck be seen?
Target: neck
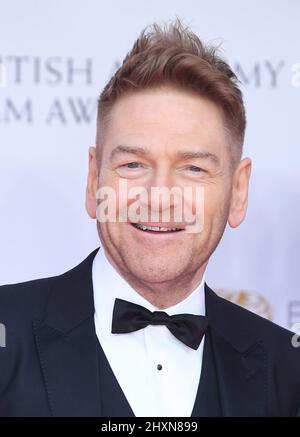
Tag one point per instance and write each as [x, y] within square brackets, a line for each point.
[163, 294]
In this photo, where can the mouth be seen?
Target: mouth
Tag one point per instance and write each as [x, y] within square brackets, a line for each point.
[156, 229]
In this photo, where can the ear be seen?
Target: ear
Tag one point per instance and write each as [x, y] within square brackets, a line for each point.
[92, 184]
[239, 194]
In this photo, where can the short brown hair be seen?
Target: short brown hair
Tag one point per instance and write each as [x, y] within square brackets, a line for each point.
[174, 55]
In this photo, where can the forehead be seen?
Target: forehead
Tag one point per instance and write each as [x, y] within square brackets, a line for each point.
[166, 118]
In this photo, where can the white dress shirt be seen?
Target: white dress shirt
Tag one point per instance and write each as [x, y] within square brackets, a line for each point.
[135, 357]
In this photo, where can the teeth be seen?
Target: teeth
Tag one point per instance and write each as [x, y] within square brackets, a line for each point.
[155, 228]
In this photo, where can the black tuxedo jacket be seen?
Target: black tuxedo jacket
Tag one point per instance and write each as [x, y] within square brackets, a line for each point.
[53, 364]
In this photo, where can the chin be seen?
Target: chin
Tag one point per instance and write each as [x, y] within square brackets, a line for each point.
[155, 272]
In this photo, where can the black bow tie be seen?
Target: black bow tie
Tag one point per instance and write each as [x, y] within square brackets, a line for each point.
[129, 317]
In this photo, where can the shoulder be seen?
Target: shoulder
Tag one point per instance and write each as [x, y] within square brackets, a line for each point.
[24, 300]
[259, 343]
[281, 344]
[23, 305]
[20, 304]
[255, 323]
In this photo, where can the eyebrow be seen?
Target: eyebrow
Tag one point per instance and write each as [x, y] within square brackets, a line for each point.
[134, 150]
[199, 155]
[183, 154]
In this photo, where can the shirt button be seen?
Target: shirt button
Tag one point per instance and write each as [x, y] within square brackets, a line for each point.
[159, 366]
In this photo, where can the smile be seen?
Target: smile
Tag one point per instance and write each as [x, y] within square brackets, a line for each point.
[155, 229]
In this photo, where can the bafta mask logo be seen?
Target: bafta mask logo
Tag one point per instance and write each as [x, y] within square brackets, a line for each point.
[252, 301]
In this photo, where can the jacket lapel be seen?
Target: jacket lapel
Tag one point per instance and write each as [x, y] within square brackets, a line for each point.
[113, 400]
[207, 403]
[240, 359]
[67, 344]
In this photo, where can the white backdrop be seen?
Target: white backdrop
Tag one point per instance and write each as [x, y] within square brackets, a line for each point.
[56, 56]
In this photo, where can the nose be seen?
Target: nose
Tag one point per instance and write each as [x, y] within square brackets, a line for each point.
[163, 195]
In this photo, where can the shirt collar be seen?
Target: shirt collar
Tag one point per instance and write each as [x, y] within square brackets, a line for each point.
[108, 285]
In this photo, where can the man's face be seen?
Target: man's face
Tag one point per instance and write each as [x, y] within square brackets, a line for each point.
[168, 138]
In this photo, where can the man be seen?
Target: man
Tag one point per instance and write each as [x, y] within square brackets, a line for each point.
[134, 329]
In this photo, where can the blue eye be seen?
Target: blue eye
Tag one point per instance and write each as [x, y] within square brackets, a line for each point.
[194, 168]
[132, 164]
[133, 169]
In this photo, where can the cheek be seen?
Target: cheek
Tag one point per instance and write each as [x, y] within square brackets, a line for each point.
[121, 189]
[109, 179]
[215, 201]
